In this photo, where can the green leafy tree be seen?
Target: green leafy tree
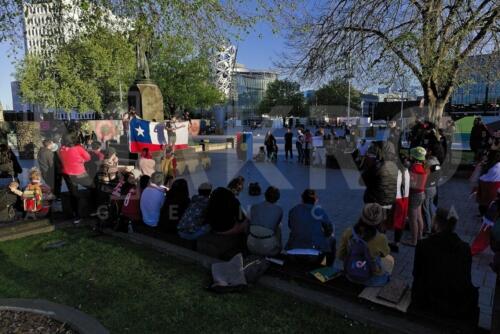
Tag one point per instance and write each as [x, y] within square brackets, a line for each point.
[335, 93]
[88, 73]
[284, 97]
[182, 74]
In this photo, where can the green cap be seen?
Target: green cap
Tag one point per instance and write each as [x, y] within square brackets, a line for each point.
[418, 153]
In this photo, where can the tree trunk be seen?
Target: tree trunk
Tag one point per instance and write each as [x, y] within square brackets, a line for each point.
[435, 106]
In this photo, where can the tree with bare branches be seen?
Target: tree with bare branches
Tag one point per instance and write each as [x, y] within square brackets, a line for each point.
[370, 38]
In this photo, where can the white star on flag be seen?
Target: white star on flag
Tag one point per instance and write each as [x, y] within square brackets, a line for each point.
[140, 131]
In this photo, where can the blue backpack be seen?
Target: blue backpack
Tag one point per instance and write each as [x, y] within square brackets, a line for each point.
[358, 265]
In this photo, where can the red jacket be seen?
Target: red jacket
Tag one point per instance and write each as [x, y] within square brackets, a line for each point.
[418, 178]
[73, 159]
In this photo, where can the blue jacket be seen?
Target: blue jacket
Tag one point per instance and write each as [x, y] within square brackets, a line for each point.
[310, 228]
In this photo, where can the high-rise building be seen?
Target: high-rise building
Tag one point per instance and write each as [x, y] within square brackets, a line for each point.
[49, 22]
[248, 89]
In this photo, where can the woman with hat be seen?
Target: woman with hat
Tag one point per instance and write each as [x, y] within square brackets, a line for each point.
[418, 180]
[365, 251]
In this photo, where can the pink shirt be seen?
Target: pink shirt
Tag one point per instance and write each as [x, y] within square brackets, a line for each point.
[73, 159]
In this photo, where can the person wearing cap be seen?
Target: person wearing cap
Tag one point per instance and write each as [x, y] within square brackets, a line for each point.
[418, 180]
[193, 223]
[442, 282]
[381, 262]
[152, 200]
[311, 228]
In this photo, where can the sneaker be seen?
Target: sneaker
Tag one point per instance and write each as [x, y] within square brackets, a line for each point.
[77, 221]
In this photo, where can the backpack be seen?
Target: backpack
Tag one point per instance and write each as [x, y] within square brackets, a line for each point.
[254, 189]
[358, 264]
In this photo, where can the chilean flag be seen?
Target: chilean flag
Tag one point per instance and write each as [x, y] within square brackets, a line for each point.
[154, 136]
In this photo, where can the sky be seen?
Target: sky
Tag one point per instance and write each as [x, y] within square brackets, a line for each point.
[257, 51]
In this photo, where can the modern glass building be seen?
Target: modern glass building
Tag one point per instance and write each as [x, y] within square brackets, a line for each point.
[481, 82]
[249, 87]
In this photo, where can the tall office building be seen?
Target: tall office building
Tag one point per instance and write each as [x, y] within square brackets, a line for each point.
[481, 82]
[47, 23]
[248, 89]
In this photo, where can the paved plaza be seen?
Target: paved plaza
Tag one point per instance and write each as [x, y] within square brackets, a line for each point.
[342, 198]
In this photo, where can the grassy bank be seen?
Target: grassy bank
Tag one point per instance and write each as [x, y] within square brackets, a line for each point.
[134, 290]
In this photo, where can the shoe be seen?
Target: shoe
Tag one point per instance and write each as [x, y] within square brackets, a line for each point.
[77, 221]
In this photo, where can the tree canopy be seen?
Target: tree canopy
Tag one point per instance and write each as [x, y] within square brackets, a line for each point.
[88, 73]
[182, 74]
[371, 39]
[335, 93]
[284, 98]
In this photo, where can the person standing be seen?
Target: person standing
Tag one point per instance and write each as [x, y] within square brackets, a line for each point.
[270, 143]
[73, 158]
[46, 163]
[288, 144]
[307, 147]
[433, 170]
[418, 180]
[442, 281]
[299, 144]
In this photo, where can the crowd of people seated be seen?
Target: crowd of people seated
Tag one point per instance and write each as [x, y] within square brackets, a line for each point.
[152, 198]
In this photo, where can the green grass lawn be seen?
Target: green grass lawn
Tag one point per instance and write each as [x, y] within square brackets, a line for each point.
[135, 290]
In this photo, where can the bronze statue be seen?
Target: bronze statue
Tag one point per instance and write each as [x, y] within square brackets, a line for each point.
[142, 60]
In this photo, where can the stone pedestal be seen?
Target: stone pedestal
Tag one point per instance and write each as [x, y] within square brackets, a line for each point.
[146, 98]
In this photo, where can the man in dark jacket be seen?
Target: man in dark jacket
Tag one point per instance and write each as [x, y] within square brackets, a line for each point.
[46, 162]
[478, 136]
[442, 281]
[380, 175]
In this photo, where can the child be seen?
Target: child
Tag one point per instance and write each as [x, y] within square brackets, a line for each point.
[36, 196]
[261, 156]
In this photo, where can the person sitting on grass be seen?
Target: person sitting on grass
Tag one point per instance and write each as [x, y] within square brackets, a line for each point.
[174, 207]
[365, 251]
[152, 200]
[442, 281]
[224, 213]
[261, 156]
[36, 196]
[265, 225]
[192, 224]
[310, 229]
